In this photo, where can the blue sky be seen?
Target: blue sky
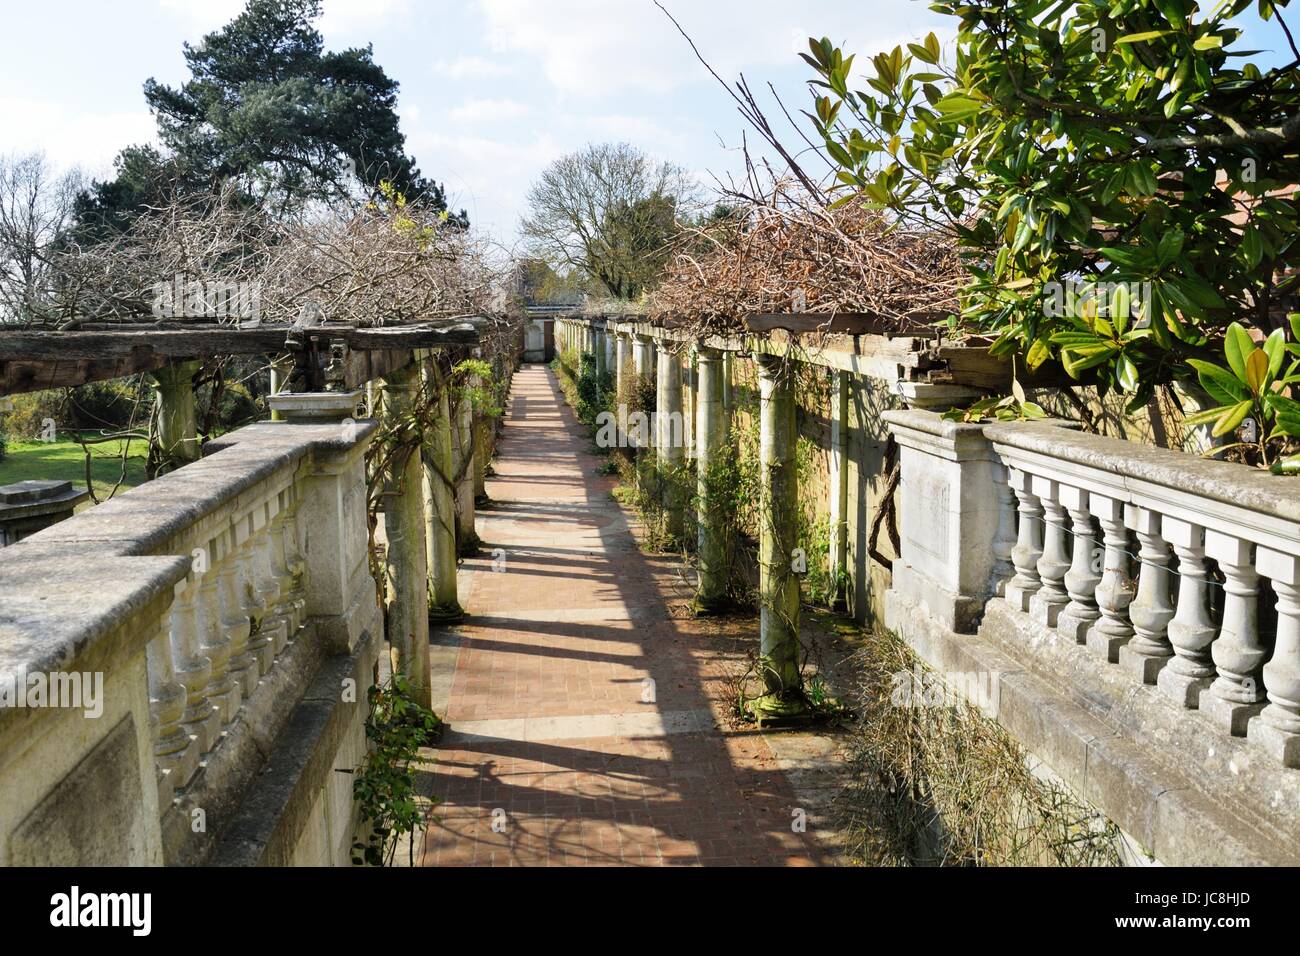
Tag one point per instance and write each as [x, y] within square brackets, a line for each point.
[491, 90]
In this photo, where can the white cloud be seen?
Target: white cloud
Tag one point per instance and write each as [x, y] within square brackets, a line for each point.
[591, 47]
[487, 176]
[470, 68]
[340, 17]
[73, 138]
[487, 110]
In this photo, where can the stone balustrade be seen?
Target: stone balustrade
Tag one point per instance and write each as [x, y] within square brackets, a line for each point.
[1193, 555]
[219, 606]
[1156, 561]
[1108, 569]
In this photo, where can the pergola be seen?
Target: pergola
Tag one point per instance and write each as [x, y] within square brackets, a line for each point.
[34, 360]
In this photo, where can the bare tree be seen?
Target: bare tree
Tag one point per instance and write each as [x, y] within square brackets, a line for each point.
[609, 210]
[36, 206]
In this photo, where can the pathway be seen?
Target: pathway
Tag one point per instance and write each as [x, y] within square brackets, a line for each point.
[582, 715]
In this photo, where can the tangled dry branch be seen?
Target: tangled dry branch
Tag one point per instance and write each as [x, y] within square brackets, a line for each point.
[785, 251]
[366, 264]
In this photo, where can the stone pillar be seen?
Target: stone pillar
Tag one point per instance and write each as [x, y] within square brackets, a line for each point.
[838, 557]
[689, 386]
[281, 369]
[711, 445]
[1046, 603]
[404, 530]
[951, 511]
[670, 452]
[1081, 579]
[728, 364]
[643, 355]
[466, 534]
[598, 352]
[440, 503]
[622, 361]
[607, 340]
[778, 518]
[177, 424]
[643, 366]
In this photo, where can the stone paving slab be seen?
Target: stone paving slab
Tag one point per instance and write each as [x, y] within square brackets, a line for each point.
[583, 714]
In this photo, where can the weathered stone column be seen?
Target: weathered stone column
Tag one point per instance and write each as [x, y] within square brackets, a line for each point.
[622, 361]
[728, 364]
[778, 517]
[177, 424]
[711, 445]
[281, 369]
[643, 355]
[839, 487]
[670, 451]
[598, 352]
[440, 503]
[466, 536]
[643, 365]
[404, 530]
[690, 385]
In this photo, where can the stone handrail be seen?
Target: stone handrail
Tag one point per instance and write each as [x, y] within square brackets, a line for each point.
[205, 601]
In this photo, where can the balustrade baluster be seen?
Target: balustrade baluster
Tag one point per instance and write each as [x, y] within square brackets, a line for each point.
[1153, 607]
[1278, 726]
[193, 667]
[235, 618]
[214, 640]
[1116, 590]
[1082, 579]
[1054, 562]
[1004, 541]
[294, 561]
[1029, 542]
[1192, 630]
[261, 645]
[1237, 694]
[175, 751]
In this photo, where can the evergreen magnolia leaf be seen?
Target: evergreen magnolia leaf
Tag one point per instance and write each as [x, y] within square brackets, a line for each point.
[1219, 382]
[1237, 347]
[1257, 370]
[1232, 419]
[1142, 37]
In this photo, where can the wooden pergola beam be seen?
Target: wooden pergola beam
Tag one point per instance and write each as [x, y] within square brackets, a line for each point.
[35, 360]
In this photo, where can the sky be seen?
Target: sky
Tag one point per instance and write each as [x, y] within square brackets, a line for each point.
[491, 90]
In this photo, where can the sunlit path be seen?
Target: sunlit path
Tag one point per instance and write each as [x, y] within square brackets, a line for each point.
[581, 726]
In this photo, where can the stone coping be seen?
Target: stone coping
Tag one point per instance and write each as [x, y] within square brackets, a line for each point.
[1226, 482]
[56, 602]
[144, 519]
[68, 586]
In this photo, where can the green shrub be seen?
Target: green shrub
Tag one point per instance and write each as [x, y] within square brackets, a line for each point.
[30, 412]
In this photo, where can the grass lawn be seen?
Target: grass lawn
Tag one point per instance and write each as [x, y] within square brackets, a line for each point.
[64, 460]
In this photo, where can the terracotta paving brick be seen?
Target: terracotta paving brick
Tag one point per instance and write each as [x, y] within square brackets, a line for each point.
[582, 722]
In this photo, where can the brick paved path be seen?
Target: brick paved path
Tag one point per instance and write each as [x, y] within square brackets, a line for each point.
[582, 722]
